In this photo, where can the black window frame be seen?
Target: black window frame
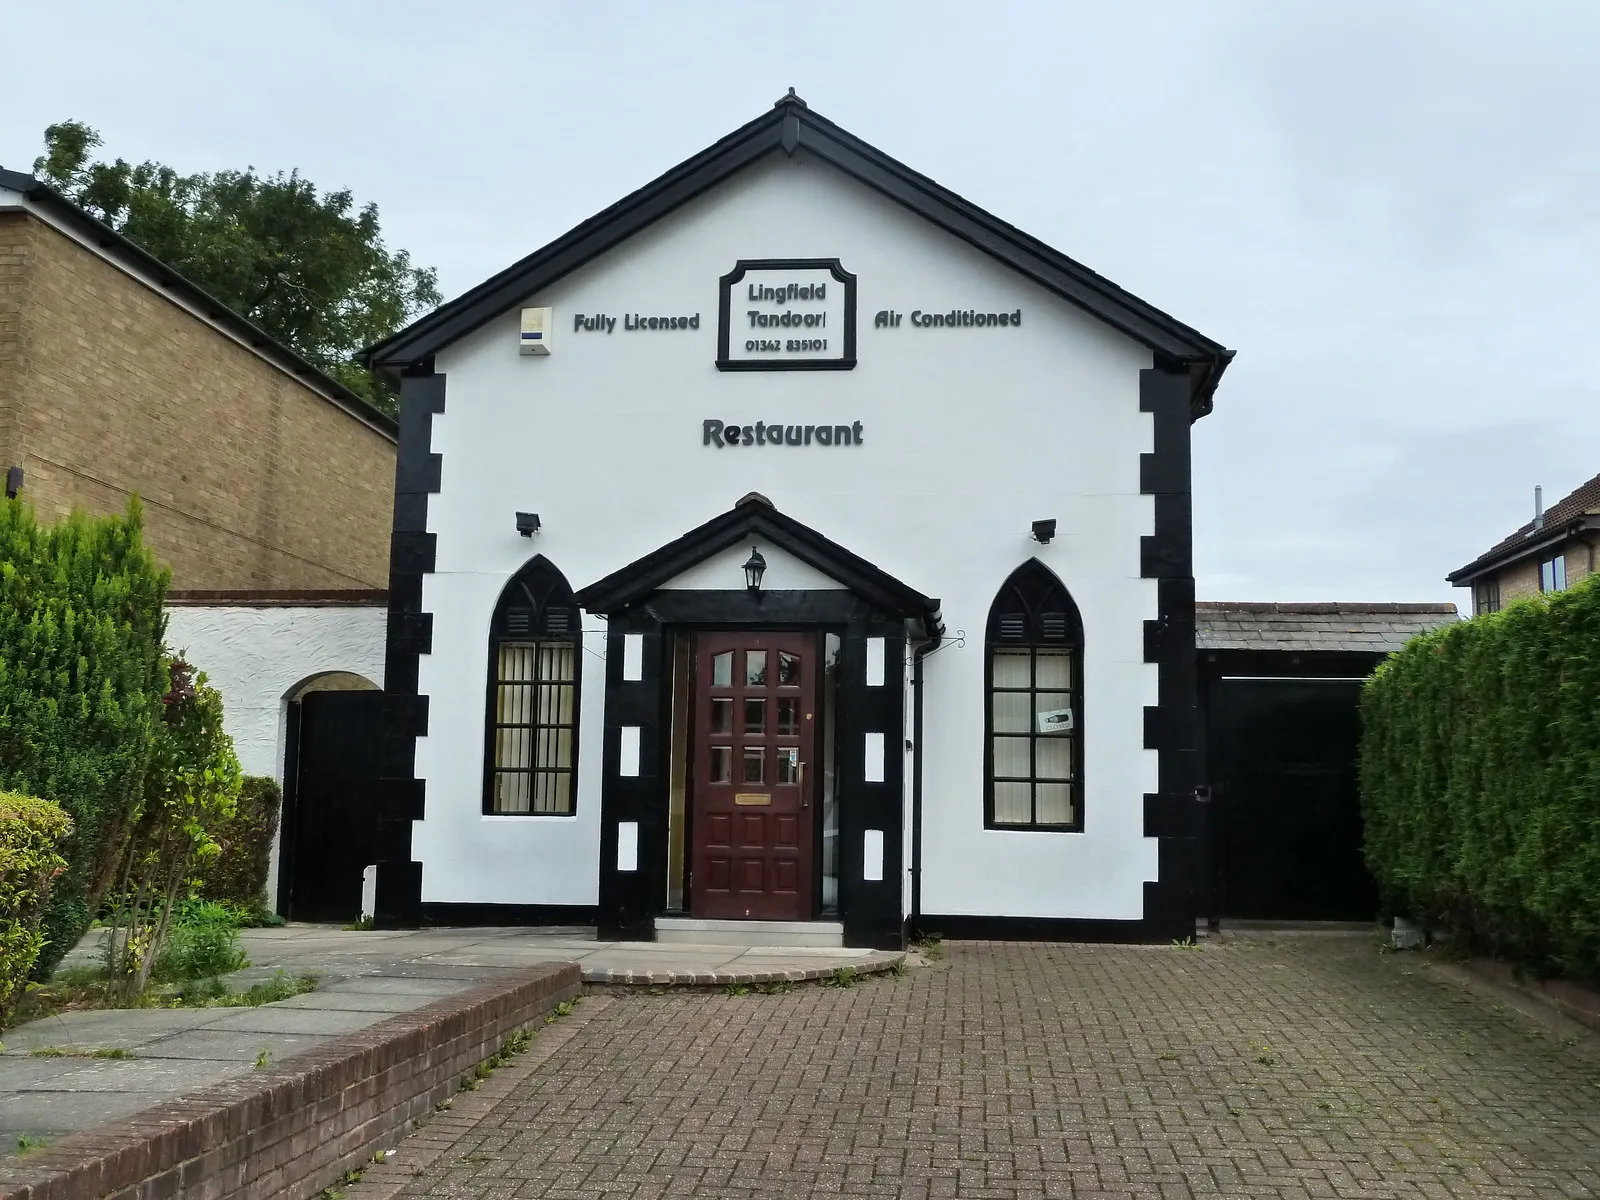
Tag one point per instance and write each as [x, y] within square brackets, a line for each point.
[536, 608]
[1033, 610]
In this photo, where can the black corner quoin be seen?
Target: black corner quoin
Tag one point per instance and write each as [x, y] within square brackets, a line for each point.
[1171, 725]
[725, 310]
[398, 900]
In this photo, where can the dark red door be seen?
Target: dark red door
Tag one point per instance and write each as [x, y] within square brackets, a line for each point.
[754, 730]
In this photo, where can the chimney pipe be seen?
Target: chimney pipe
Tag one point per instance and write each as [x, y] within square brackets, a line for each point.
[1538, 507]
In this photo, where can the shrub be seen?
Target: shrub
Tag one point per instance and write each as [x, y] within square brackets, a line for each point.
[1480, 781]
[31, 832]
[190, 789]
[81, 676]
[238, 874]
[203, 941]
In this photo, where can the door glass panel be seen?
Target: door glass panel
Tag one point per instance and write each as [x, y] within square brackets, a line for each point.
[721, 764]
[789, 764]
[722, 669]
[755, 668]
[788, 669]
[1011, 668]
[1054, 668]
[755, 764]
[721, 715]
[1011, 712]
[755, 715]
[789, 715]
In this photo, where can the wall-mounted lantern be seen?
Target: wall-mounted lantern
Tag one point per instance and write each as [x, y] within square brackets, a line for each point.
[754, 568]
[13, 482]
[527, 524]
[1043, 531]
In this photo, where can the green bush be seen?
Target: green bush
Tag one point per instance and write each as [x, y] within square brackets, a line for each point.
[202, 942]
[238, 874]
[31, 832]
[1480, 781]
[81, 676]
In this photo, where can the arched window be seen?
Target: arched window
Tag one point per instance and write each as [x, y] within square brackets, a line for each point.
[535, 659]
[1033, 752]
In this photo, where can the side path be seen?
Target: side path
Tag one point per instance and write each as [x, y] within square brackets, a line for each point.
[1301, 1065]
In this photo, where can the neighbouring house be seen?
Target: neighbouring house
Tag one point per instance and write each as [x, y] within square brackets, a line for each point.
[267, 486]
[1280, 689]
[1557, 548]
[794, 541]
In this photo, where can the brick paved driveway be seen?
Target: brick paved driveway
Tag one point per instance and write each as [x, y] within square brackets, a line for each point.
[1283, 1065]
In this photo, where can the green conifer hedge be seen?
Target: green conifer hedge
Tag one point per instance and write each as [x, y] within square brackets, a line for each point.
[1480, 781]
[81, 680]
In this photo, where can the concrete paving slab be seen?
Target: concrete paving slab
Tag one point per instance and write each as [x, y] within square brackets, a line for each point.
[54, 1114]
[340, 1000]
[275, 1018]
[172, 1076]
[229, 1045]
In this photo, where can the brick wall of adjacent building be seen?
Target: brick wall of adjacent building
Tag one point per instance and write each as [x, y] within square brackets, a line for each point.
[1521, 579]
[250, 479]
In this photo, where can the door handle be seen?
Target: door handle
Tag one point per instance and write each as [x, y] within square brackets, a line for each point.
[805, 800]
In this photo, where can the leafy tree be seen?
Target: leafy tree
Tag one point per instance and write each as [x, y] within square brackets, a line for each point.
[310, 269]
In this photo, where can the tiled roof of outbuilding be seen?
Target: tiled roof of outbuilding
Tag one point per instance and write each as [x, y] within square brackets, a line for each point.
[1369, 628]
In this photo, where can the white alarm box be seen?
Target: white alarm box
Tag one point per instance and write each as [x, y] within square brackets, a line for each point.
[536, 325]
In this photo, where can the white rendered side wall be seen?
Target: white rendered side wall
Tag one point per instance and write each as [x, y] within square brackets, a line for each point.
[257, 657]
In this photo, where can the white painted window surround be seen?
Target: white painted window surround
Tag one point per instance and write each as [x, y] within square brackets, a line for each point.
[872, 856]
[873, 770]
[875, 662]
[630, 752]
[632, 657]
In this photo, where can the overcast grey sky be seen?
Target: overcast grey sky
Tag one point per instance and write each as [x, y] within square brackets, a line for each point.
[1390, 210]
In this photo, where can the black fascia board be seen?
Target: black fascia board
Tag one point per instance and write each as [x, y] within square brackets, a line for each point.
[788, 127]
[1511, 554]
[640, 578]
[247, 331]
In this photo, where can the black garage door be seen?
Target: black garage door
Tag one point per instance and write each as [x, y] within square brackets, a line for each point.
[1286, 813]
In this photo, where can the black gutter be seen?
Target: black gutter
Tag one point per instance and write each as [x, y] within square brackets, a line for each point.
[252, 335]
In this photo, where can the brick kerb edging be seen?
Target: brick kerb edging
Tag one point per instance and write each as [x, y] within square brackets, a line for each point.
[879, 962]
[293, 1128]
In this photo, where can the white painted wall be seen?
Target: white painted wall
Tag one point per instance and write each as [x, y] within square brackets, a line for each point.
[969, 435]
[257, 657]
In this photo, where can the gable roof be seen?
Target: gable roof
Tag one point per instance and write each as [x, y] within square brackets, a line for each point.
[755, 515]
[1364, 628]
[1573, 513]
[791, 125]
[136, 260]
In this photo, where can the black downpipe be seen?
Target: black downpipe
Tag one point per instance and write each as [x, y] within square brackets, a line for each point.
[922, 652]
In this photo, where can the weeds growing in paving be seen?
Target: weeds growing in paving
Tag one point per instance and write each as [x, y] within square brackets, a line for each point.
[27, 1142]
[81, 1052]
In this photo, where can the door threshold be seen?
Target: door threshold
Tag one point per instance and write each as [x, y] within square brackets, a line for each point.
[705, 932]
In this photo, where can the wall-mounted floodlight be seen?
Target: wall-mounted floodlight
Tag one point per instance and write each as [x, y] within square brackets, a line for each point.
[527, 524]
[1043, 531]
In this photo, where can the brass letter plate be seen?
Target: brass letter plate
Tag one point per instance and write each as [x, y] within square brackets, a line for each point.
[752, 798]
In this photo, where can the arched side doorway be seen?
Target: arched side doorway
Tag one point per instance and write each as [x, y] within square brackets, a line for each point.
[333, 734]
